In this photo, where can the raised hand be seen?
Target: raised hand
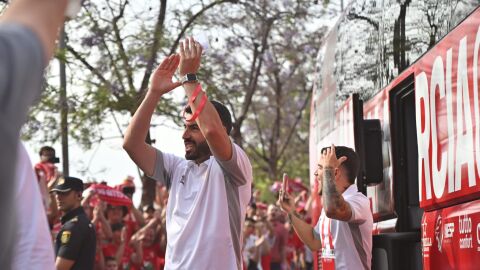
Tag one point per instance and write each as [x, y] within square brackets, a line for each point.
[285, 201]
[190, 56]
[329, 158]
[161, 79]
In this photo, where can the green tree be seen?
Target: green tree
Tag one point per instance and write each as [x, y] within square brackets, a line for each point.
[260, 64]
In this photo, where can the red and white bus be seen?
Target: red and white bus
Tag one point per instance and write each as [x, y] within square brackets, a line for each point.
[407, 77]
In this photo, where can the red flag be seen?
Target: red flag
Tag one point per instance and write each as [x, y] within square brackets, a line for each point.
[110, 195]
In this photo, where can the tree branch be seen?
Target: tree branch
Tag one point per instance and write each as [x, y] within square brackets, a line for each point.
[93, 70]
[297, 120]
[112, 59]
[259, 129]
[119, 42]
[253, 83]
[155, 47]
[192, 20]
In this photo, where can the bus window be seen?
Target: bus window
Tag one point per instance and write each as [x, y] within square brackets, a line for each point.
[404, 146]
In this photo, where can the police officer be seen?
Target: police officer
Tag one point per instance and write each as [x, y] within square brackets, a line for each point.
[75, 243]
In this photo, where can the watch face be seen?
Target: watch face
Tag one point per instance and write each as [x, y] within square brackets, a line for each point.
[189, 77]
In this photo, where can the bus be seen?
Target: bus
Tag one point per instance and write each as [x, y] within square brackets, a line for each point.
[398, 81]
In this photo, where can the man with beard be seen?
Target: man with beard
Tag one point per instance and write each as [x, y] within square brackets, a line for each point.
[344, 230]
[210, 188]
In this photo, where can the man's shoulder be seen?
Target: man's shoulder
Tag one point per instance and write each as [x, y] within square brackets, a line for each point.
[78, 222]
[355, 195]
[239, 156]
[22, 45]
[239, 150]
[170, 158]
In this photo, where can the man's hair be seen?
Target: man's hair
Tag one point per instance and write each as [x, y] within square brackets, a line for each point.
[222, 111]
[124, 209]
[110, 258]
[46, 149]
[117, 227]
[351, 165]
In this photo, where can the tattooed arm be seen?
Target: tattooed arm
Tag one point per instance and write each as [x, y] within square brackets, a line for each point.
[333, 203]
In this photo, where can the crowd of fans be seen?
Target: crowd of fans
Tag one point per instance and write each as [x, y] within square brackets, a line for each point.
[131, 238]
[127, 237]
[270, 242]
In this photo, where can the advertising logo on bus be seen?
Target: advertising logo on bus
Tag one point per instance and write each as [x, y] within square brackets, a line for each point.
[438, 233]
[465, 230]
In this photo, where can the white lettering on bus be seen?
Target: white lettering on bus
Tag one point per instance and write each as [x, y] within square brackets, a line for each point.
[460, 141]
[464, 224]
[423, 135]
[450, 124]
[464, 121]
[475, 100]
[440, 174]
[465, 227]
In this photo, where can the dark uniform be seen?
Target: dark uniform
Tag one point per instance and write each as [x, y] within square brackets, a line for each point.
[76, 240]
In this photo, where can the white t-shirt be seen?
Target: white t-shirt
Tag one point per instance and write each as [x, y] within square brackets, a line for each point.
[352, 240]
[33, 243]
[206, 210]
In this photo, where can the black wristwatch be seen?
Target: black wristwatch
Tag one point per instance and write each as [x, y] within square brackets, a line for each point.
[189, 78]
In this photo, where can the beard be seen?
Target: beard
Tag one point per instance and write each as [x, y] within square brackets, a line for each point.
[198, 150]
[320, 185]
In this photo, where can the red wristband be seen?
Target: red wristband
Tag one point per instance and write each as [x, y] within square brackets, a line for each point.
[195, 93]
[198, 110]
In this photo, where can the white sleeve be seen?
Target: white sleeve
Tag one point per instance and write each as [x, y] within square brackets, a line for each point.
[238, 167]
[165, 165]
[360, 206]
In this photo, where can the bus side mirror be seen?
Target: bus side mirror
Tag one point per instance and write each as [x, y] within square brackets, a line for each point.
[373, 159]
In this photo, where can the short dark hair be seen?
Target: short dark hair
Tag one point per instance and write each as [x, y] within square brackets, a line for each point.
[222, 111]
[110, 258]
[124, 209]
[351, 165]
[117, 227]
[46, 149]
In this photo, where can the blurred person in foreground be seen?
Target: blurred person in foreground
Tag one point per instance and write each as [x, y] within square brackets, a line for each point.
[28, 29]
[344, 230]
[210, 188]
[33, 245]
[76, 242]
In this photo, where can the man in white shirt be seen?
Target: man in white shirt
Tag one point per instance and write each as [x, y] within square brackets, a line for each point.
[210, 188]
[33, 247]
[28, 29]
[344, 229]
